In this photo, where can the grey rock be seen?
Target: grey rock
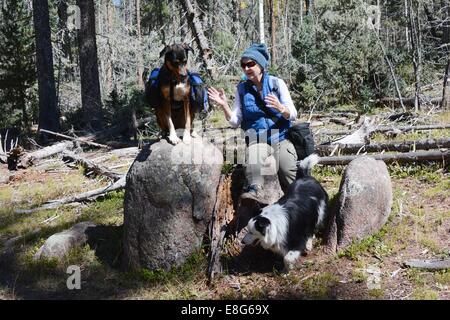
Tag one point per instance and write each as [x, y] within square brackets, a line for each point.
[169, 198]
[363, 205]
[59, 244]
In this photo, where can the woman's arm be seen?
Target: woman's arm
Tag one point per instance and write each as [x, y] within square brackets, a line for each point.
[285, 105]
[219, 97]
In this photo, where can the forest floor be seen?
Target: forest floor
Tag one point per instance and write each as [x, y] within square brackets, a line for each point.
[418, 228]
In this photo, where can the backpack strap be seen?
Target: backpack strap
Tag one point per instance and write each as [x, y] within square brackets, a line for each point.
[273, 83]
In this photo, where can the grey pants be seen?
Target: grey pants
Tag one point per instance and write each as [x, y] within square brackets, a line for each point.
[263, 159]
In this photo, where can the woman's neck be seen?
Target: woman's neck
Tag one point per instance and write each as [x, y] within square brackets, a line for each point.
[257, 81]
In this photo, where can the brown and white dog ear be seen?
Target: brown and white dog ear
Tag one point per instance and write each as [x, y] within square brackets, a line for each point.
[164, 51]
[187, 47]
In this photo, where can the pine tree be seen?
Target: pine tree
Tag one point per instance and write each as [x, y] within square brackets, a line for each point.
[17, 65]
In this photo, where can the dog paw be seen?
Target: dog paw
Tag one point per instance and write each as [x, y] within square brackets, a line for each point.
[186, 137]
[195, 134]
[174, 139]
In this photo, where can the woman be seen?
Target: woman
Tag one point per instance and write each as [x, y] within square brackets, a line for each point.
[262, 105]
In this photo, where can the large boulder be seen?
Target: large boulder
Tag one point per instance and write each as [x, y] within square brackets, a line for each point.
[169, 198]
[363, 204]
[58, 245]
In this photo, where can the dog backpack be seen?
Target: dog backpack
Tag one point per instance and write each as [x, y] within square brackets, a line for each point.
[152, 92]
[199, 94]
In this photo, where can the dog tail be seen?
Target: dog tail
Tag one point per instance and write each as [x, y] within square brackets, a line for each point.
[304, 166]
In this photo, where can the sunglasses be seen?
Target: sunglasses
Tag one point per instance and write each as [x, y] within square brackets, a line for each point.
[249, 64]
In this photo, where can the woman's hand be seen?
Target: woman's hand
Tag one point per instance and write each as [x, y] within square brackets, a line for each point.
[218, 96]
[273, 102]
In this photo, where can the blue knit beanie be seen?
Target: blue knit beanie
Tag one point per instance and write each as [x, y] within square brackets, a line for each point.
[257, 52]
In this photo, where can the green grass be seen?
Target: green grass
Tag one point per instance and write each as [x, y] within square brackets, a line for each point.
[320, 286]
[424, 294]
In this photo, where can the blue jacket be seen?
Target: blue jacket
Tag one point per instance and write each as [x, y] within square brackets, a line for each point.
[255, 118]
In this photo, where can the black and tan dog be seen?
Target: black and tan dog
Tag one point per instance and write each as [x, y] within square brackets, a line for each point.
[175, 111]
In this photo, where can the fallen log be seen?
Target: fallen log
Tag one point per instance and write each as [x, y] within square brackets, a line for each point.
[429, 264]
[405, 146]
[406, 101]
[30, 158]
[90, 166]
[85, 196]
[359, 136]
[392, 157]
[79, 139]
[382, 129]
[403, 116]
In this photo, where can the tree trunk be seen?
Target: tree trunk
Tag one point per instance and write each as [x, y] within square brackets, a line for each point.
[413, 21]
[48, 111]
[139, 54]
[109, 67]
[90, 85]
[202, 42]
[261, 21]
[445, 8]
[445, 102]
[273, 30]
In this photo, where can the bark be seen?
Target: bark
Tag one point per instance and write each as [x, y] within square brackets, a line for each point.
[90, 166]
[415, 49]
[445, 8]
[202, 42]
[429, 264]
[407, 157]
[261, 21]
[404, 146]
[273, 31]
[79, 139]
[138, 28]
[28, 159]
[217, 230]
[90, 84]
[445, 102]
[359, 136]
[48, 111]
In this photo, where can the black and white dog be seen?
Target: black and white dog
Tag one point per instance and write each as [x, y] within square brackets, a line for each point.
[287, 227]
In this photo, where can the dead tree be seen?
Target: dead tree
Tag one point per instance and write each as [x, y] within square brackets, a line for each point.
[202, 42]
[90, 166]
[85, 196]
[445, 102]
[414, 26]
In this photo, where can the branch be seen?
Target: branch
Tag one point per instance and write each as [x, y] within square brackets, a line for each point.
[429, 264]
[30, 158]
[81, 140]
[90, 166]
[89, 195]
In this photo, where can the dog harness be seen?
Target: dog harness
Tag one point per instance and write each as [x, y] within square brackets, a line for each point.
[198, 94]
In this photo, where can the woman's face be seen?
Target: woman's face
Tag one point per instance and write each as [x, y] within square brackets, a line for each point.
[252, 70]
